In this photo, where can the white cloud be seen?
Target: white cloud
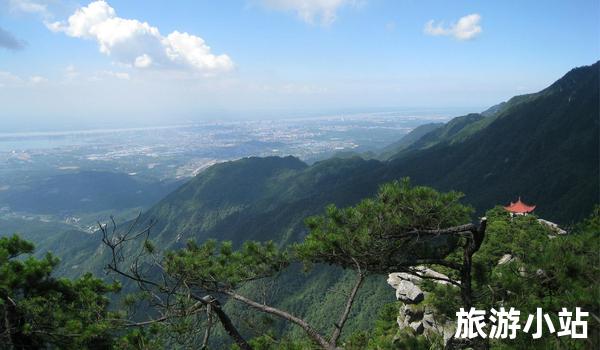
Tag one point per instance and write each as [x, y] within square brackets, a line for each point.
[73, 75]
[9, 79]
[143, 61]
[118, 75]
[36, 79]
[71, 72]
[107, 75]
[138, 44]
[467, 28]
[311, 11]
[28, 6]
[191, 50]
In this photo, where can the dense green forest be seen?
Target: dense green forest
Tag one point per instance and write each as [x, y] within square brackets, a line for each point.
[85, 191]
[400, 229]
[543, 147]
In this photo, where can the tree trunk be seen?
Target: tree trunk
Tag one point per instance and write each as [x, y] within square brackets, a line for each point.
[226, 322]
[310, 331]
[344, 317]
[471, 246]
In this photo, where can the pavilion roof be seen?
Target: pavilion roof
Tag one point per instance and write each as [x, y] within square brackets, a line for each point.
[519, 207]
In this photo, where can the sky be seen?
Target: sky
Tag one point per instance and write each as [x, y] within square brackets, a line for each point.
[115, 62]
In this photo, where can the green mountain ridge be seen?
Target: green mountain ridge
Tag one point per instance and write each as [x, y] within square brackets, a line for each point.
[456, 130]
[541, 146]
[544, 148]
[84, 191]
[451, 132]
[407, 140]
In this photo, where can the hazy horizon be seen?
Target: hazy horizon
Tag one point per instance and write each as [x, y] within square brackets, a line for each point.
[79, 64]
[16, 126]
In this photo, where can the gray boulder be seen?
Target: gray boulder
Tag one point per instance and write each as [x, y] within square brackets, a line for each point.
[406, 291]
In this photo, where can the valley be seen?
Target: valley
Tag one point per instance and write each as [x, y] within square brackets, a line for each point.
[299, 175]
[268, 198]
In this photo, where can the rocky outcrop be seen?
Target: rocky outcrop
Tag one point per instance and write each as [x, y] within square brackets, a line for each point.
[506, 258]
[413, 314]
[553, 227]
[406, 291]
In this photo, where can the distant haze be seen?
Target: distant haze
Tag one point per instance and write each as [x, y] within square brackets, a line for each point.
[96, 63]
[67, 124]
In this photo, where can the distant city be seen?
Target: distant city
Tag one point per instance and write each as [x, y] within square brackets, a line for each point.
[184, 150]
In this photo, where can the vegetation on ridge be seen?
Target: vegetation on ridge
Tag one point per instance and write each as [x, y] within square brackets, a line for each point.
[399, 229]
[544, 147]
[387, 233]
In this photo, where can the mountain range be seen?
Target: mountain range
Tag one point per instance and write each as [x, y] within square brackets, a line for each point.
[84, 192]
[543, 147]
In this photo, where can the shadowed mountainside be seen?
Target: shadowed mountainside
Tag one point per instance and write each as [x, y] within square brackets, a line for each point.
[542, 146]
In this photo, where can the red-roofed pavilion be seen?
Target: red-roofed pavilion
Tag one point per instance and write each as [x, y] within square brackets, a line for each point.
[519, 207]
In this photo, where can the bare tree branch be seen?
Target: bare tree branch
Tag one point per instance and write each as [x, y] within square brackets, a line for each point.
[163, 290]
[349, 302]
[310, 331]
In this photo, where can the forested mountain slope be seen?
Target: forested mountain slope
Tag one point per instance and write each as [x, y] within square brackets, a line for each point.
[84, 191]
[408, 140]
[543, 147]
[449, 133]
[259, 199]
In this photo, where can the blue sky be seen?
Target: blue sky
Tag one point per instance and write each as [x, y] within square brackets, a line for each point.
[158, 61]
